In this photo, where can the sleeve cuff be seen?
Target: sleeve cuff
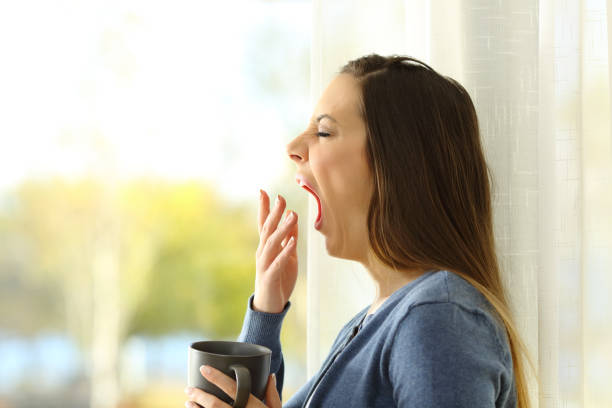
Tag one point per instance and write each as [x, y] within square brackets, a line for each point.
[264, 329]
[261, 327]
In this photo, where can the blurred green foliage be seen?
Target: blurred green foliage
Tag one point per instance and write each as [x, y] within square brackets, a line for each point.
[186, 258]
[201, 253]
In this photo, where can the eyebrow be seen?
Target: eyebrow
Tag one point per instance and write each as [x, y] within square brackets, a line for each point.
[325, 115]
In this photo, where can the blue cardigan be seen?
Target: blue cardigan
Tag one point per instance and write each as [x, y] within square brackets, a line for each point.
[432, 343]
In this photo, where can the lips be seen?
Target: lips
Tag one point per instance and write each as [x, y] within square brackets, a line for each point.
[301, 180]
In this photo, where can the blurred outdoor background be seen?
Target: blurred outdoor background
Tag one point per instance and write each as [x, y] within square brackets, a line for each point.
[135, 137]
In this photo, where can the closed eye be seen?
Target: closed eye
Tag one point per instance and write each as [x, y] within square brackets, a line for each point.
[322, 134]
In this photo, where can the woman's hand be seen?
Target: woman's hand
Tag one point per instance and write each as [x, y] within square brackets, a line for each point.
[228, 385]
[276, 256]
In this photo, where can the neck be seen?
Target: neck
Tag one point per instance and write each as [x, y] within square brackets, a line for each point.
[387, 280]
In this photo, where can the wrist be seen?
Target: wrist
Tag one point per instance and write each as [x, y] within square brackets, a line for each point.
[266, 308]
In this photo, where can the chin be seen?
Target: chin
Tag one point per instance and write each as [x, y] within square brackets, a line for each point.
[331, 251]
[337, 251]
[329, 247]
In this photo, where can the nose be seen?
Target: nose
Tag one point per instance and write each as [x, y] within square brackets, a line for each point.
[296, 150]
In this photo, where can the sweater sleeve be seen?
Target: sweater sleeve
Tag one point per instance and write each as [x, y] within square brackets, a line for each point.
[264, 329]
[444, 355]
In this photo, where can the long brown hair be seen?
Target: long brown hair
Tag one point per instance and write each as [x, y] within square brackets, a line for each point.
[431, 205]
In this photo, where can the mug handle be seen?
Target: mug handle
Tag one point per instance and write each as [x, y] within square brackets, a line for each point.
[243, 378]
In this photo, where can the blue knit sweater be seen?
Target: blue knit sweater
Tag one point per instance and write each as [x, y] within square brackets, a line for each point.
[432, 343]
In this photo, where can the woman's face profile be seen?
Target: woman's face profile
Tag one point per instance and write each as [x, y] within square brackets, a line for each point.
[331, 155]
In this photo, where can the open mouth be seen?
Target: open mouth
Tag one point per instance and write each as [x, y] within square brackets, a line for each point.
[304, 184]
[318, 202]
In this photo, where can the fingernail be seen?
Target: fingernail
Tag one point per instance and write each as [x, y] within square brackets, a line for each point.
[206, 369]
[188, 390]
[289, 217]
[274, 375]
[260, 193]
[276, 201]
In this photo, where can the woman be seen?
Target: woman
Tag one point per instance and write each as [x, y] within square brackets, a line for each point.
[393, 156]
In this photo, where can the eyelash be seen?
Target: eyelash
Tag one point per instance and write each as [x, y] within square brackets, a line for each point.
[320, 134]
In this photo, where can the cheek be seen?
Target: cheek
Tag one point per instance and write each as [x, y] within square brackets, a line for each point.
[345, 178]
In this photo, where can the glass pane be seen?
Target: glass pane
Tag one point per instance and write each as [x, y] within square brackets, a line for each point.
[136, 136]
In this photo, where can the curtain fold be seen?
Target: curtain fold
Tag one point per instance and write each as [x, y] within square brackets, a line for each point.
[539, 76]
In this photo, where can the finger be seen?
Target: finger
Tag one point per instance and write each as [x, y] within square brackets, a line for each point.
[271, 222]
[272, 398]
[292, 232]
[205, 399]
[226, 383]
[273, 247]
[221, 380]
[264, 209]
[281, 259]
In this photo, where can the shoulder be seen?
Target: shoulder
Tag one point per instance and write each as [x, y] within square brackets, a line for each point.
[446, 304]
[444, 341]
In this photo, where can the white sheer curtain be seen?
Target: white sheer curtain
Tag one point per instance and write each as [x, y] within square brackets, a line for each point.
[538, 74]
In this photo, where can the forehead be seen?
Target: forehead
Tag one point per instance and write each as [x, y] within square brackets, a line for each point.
[340, 99]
